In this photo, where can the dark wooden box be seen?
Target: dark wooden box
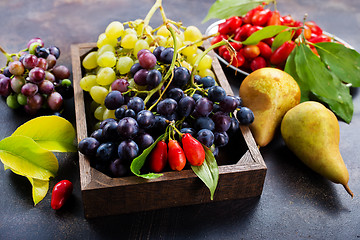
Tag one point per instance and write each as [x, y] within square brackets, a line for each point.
[241, 167]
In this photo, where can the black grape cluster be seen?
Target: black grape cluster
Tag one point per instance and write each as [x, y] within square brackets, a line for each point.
[207, 113]
[32, 80]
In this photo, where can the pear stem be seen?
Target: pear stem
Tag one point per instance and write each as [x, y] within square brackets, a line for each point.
[348, 190]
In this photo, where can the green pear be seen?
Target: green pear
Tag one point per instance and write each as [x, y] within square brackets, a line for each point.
[312, 133]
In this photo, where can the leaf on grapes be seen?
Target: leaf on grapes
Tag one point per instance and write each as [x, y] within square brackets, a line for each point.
[264, 33]
[25, 157]
[280, 39]
[343, 62]
[322, 83]
[53, 133]
[39, 187]
[208, 172]
[227, 8]
[139, 162]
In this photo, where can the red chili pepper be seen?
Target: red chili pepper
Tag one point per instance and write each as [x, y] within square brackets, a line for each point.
[320, 38]
[158, 157]
[280, 55]
[60, 194]
[265, 50]
[176, 156]
[193, 149]
[261, 18]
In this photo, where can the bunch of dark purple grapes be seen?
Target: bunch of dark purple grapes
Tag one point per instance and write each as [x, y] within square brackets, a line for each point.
[32, 80]
[204, 111]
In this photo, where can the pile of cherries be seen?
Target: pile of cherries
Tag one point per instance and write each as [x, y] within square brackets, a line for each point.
[252, 57]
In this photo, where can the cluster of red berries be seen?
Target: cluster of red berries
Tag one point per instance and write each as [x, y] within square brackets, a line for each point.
[252, 57]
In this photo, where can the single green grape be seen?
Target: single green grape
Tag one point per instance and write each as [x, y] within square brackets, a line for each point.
[90, 60]
[99, 112]
[205, 63]
[108, 114]
[130, 31]
[107, 59]
[129, 41]
[163, 31]
[87, 82]
[93, 106]
[22, 99]
[114, 30]
[190, 50]
[12, 101]
[193, 34]
[105, 76]
[140, 44]
[98, 94]
[105, 48]
[103, 40]
[124, 64]
[206, 72]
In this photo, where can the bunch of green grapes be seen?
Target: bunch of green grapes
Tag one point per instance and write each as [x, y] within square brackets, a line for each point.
[117, 54]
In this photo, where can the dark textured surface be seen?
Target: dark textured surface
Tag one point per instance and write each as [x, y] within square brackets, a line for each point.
[296, 203]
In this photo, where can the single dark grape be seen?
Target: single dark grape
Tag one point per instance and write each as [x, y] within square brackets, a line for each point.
[30, 61]
[35, 102]
[28, 89]
[119, 168]
[128, 127]
[140, 77]
[135, 68]
[239, 101]
[157, 51]
[245, 116]
[37, 75]
[88, 146]
[106, 152]
[234, 127]
[216, 93]
[204, 123]
[221, 139]
[109, 132]
[145, 119]
[222, 121]
[175, 93]
[97, 134]
[130, 113]
[203, 106]
[144, 141]
[106, 121]
[55, 101]
[172, 117]
[42, 52]
[153, 78]
[147, 60]
[5, 88]
[206, 137]
[166, 55]
[136, 104]
[206, 81]
[119, 112]
[61, 72]
[51, 61]
[160, 124]
[196, 96]
[186, 106]
[7, 72]
[128, 150]
[120, 85]
[114, 100]
[228, 104]
[181, 77]
[142, 51]
[166, 107]
[55, 51]
[46, 87]
[216, 108]
[189, 130]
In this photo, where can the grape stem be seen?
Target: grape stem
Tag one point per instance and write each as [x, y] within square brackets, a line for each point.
[151, 13]
[8, 56]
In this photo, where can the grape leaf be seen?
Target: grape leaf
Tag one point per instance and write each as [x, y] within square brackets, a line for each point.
[227, 8]
[280, 39]
[27, 158]
[343, 62]
[139, 161]
[322, 83]
[208, 172]
[264, 33]
[50, 132]
[39, 187]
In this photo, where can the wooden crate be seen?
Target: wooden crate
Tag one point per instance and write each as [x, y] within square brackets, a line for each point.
[241, 167]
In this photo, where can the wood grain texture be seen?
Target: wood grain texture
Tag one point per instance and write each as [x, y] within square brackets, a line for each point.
[103, 195]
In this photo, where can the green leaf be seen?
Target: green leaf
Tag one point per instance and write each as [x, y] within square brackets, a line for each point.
[290, 68]
[280, 39]
[343, 62]
[208, 172]
[39, 187]
[139, 161]
[227, 8]
[27, 158]
[322, 83]
[53, 133]
[264, 33]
